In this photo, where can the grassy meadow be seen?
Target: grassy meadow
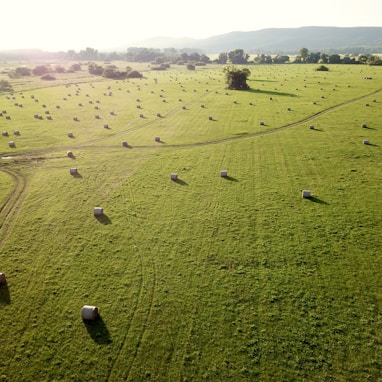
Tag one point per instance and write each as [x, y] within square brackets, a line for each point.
[204, 278]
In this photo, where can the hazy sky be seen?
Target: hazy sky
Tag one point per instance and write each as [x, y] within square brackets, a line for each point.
[76, 24]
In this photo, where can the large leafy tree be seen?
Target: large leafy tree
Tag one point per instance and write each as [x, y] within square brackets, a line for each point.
[235, 78]
[238, 57]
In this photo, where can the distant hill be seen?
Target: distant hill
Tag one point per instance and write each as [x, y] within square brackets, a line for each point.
[281, 40]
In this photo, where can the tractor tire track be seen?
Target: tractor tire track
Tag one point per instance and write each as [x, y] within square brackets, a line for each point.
[142, 309]
[12, 205]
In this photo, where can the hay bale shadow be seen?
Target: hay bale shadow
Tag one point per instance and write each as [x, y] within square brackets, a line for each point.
[180, 182]
[98, 331]
[230, 178]
[317, 200]
[5, 296]
[76, 175]
[103, 219]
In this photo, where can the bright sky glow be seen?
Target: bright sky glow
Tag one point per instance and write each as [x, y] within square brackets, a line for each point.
[54, 25]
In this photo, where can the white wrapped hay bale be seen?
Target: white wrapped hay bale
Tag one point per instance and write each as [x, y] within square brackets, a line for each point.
[98, 211]
[306, 194]
[89, 312]
[3, 280]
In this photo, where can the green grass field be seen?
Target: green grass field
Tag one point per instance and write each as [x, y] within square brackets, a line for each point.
[205, 278]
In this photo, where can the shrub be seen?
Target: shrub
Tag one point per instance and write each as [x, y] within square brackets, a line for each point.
[48, 77]
[322, 68]
[134, 74]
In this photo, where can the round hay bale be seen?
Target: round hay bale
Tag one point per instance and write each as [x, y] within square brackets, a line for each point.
[306, 194]
[174, 176]
[364, 125]
[311, 127]
[89, 312]
[70, 154]
[157, 139]
[262, 123]
[12, 144]
[105, 126]
[8, 117]
[4, 133]
[75, 119]
[223, 173]
[125, 144]
[49, 117]
[73, 171]
[3, 280]
[98, 211]
[70, 135]
[16, 132]
[366, 142]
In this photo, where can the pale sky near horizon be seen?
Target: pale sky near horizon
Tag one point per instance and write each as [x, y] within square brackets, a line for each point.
[76, 24]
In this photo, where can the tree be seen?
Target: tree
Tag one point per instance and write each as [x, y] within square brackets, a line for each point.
[88, 54]
[23, 71]
[280, 59]
[5, 86]
[334, 59]
[40, 70]
[304, 53]
[236, 78]
[223, 58]
[238, 57]
[95, 69]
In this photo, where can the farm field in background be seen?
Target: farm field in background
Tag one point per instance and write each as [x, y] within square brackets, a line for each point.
[203, 278]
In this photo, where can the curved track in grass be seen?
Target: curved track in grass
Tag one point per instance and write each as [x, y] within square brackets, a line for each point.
[92, 144]
[239, 137]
